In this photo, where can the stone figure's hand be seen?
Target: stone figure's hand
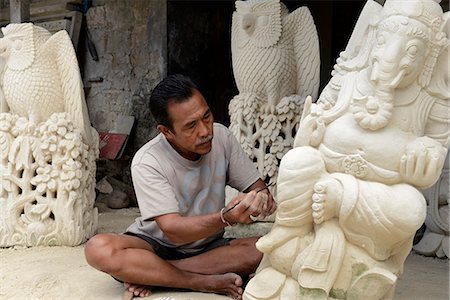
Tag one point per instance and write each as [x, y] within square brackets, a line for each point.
[422, 163]
[312, 126]
[243, 206]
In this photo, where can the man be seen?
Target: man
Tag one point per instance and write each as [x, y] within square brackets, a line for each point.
[179, 178]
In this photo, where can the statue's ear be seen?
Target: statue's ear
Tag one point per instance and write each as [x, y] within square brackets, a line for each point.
[21, 45]
[440, 77]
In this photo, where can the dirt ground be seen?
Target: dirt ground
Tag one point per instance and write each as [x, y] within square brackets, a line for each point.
[62, 273]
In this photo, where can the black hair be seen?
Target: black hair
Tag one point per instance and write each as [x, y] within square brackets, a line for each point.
[177, 88]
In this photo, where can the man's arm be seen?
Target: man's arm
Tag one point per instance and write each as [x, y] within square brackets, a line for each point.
[182, 230]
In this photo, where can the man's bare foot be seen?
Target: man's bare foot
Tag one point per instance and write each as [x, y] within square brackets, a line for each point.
[138, 290]
[229, 284]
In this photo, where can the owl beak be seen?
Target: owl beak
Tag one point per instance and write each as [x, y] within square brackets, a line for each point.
[248, 22]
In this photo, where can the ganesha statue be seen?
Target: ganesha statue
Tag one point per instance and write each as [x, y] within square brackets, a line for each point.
[349, 200]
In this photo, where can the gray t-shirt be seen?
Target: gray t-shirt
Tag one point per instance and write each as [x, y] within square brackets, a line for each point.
[165, 182]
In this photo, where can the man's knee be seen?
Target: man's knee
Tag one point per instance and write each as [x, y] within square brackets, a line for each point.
[99, 251]
[249, 252]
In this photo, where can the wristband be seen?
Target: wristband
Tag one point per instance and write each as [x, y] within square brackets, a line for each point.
[223, 219]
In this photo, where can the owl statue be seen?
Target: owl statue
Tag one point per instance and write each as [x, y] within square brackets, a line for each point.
[275, 53]
[47, 147]
[41, 76]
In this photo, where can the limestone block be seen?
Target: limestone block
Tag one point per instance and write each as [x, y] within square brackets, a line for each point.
[348, 192]
[276, 66]
[48, 148]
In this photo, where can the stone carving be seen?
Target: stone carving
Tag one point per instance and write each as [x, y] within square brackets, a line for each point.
[47, 146]
[348, 198]
[276, 66]
[435, 241]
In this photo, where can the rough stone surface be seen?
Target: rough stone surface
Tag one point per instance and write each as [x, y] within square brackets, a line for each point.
[130, 39]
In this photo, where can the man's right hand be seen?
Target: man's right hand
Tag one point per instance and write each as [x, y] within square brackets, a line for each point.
[244, 206]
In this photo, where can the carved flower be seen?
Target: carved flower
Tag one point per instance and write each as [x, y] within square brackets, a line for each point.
[7, 121]
[355, 165]
[49, 143]
[22, 126]
[71, 174]
[46, 178]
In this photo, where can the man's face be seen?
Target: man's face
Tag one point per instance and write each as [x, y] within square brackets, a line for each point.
[192, 127]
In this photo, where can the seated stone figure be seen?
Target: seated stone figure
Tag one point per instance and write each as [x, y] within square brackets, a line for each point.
[348, 198]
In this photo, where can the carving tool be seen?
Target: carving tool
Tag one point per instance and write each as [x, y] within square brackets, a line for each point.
[257, 191]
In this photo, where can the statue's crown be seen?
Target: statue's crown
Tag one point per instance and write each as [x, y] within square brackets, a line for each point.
[429, 12]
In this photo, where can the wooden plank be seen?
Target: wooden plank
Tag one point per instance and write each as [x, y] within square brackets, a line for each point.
[41, 8]
[55, 25]
[75, 27]
[19, 11]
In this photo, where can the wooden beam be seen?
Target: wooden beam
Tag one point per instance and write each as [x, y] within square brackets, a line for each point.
[19, 11]
[38, 9]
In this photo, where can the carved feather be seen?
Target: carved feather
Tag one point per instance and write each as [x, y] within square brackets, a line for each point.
[307, 52]
[67, 64]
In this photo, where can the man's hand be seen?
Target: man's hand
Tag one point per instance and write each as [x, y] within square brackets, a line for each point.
[254, 204]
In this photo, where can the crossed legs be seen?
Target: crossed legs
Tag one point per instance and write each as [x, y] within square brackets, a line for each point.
[133, 261]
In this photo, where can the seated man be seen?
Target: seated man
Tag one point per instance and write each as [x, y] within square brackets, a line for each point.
[179, 178]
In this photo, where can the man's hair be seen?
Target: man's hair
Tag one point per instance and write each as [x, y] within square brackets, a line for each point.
[177, 88]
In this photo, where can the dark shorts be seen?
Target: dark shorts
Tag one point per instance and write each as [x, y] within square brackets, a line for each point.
[168, 253]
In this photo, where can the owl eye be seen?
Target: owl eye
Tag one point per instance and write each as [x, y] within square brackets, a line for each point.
[263, 20]
[17, 45]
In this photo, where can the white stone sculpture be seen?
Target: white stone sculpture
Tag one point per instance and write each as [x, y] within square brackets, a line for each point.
[435, 241]
[47, 146]
[348, 198]
[276, 65]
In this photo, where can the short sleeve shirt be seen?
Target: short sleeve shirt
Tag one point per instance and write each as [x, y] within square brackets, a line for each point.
[165, 182]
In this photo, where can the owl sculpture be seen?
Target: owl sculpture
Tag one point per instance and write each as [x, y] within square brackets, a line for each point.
[275, 53]
[41, 76]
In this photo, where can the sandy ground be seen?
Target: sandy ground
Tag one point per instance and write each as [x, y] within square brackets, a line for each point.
[62, 273]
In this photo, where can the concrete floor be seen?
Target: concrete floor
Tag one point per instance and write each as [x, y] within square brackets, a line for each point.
[62, 273]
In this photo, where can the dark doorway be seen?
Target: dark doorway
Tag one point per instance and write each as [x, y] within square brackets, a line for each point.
[199, 42]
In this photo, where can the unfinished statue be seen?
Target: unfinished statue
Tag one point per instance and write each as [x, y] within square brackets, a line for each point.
[348, 198]
[47, 146]
[276, 66]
